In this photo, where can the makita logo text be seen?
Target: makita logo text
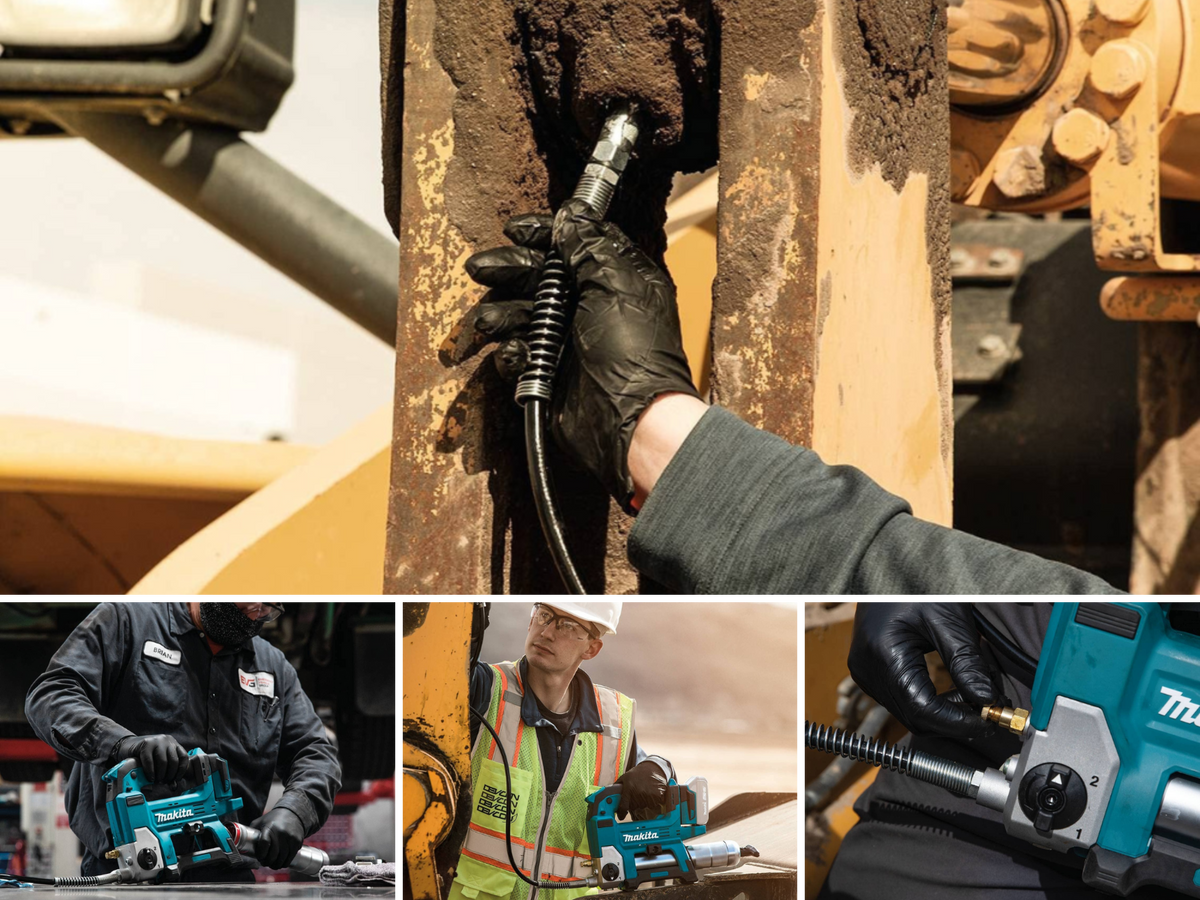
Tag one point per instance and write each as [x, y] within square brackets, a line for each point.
[1180, 707]
[172, 816]
[641, 836]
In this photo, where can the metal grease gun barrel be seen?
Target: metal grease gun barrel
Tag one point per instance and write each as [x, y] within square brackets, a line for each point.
[307, 862]
[1179, 814]
[713, 855]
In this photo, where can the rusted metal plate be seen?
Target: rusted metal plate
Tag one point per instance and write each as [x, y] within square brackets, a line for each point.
[764, 302]
[460, 514]
[832, 299]
[1166, 537]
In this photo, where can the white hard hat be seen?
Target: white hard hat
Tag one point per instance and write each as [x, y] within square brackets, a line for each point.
[605, 614]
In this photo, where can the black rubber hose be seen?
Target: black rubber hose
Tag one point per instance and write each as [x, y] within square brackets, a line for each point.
[543, 494]
[1015, 654]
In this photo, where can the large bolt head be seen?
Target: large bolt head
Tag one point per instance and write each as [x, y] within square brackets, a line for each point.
[1020, 172]
[1123, 12]
[1079, 136]
[1118, 69]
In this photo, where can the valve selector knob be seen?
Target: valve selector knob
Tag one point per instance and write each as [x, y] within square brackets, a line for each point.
[610, 872]
[147, 858]
[1053, 796]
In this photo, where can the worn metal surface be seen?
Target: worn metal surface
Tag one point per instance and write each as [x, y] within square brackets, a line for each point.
[1114, 126]
[436, 653]
[461, 517]
[831, 305]
[764, 297]
[1150, 299]
[1166, 544]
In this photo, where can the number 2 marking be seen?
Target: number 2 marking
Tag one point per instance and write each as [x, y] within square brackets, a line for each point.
[1095, 780]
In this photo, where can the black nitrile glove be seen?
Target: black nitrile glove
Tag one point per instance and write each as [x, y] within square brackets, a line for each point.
[643, 791]
[162, 758]
[282, 837]
[887, 660]
[625, 347]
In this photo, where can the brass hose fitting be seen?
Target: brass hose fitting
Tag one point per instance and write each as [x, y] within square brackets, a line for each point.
[1006, 717]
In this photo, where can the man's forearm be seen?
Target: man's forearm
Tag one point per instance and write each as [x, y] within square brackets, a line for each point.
[661, 430]
[738, 510]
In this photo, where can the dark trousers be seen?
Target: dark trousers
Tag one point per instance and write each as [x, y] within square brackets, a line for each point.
[215, 874]
[906, 854]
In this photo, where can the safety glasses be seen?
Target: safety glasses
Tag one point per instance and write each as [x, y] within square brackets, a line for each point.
[564, 626]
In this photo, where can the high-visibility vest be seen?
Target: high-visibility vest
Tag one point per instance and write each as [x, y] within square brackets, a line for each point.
[554, 823]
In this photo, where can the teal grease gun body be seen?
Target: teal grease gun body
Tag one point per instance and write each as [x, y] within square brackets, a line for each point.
[1109, 770]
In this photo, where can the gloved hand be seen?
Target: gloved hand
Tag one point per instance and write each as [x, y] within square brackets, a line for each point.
[887, 660]
[162, 758]
[643, 791]
[282, 837]
[625, 347]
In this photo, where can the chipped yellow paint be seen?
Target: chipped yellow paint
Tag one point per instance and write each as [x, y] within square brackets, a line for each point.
[755, 83]
[750, 183]
[879, 397]
[433, 244]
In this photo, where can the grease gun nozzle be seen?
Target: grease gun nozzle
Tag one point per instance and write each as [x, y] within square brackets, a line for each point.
[1007, 717]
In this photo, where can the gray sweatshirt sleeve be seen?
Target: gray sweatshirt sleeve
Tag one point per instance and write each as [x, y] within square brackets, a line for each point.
[741, 511]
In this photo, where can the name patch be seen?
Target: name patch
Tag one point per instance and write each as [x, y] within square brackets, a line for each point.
[261, 683]
[155, 650]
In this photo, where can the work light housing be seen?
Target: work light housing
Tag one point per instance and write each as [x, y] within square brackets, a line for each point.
[227, 62]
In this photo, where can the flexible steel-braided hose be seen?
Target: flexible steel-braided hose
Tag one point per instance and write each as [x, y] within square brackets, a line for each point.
[944, 773]
[548, 331]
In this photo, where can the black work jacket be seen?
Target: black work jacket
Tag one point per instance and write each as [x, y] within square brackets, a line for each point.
[143, 668]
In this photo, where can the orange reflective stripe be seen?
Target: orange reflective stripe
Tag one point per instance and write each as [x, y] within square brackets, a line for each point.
[549, 849]
[500, 834]
[491, 862]
[500, 714]
[517, 748]
[517, 675]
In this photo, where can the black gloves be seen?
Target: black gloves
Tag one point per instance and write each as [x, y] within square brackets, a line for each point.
[625, 346]
[643, 791]
[282, 837]
[161, 757]
[887, 660]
